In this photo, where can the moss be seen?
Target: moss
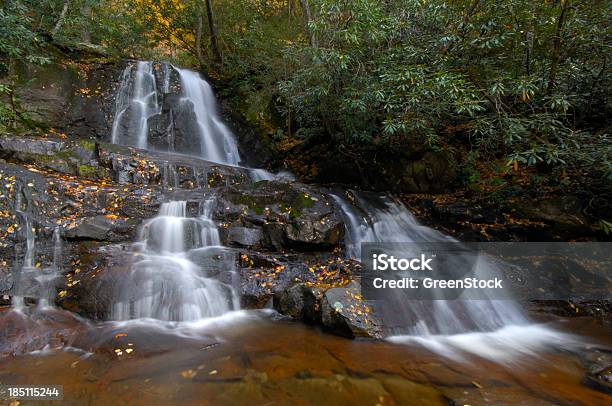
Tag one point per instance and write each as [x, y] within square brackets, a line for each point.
[299, 203]
[87, 144]
[303, 201]
[293, 214]
[249, 201]
[93, 172]
[67, 155]
[115, 148]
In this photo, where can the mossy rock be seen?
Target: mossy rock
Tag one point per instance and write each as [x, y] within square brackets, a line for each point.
[92, 172]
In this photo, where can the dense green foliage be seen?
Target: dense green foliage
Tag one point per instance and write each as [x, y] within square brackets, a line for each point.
[525, 80]
[393, 72]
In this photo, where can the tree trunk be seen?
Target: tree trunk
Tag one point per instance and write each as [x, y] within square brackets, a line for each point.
[556, 48]
[60, 20]
[308, 15]
[213, 32]
[198, 39]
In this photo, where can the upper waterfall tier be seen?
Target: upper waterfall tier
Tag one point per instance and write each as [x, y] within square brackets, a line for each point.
[165, 108]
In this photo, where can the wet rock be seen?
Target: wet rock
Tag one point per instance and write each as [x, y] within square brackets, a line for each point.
[28, 145]
[243, 236]
[344, 313]
[291, 215]
[101, 228]
[68, 157]
[6, 282]
[299, 302]
[77, 99]
[140, 167]
[102, 270]
[598, 363]
[214, 261]
[35, 330]
[319, 231]
[265, 275]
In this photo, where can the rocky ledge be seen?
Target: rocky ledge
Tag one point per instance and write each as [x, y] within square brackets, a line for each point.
[283, 238]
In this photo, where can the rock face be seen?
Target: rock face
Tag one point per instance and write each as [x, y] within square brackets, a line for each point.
[286, 216]
[74, 98]
[285, 237]
[80, 100]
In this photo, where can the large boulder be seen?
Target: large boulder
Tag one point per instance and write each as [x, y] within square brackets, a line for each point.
[75, 98]
[344, 312]
[299, 302]
[291, 215]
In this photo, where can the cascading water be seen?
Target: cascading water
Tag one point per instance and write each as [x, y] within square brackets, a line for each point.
[47, 280]
[487, 327]
[136, 103]
[166, 282]
[217, 141]
[143, 90]
[261, 174]
[27, 267]
[177, 275]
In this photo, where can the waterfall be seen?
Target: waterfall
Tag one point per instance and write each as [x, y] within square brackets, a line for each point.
[262, 174]
[217, 141]
[438, 324]
[135, 103]
[27, 267]
[188, 118]
[170, 280]
[57, 248]
[122, 100]
[48, 277]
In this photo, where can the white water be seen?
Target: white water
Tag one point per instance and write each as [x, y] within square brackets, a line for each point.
[139, 98]
[139, 102]
[217, 141]
[262, 174]
[48, 277]
[493, 329]
[164, 283]
[35, 281]
[27, 267]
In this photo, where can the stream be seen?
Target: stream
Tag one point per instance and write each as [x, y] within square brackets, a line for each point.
[177, 330]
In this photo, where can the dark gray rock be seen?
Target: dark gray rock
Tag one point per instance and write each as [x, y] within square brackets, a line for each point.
[29, 145]
[292, 215]
[6, 282]
[343, 312]
[244, 237]
[131, 165]
[299, 302]
[69, 157]
[101, 228]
